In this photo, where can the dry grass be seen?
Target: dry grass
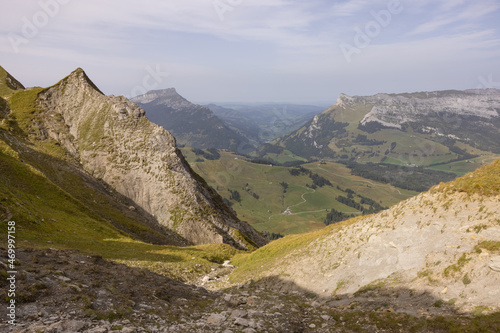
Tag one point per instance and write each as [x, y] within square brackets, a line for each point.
[484, 181]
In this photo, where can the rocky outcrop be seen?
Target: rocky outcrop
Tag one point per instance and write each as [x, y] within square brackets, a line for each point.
[445, 242]
[470, 116]
[395, 110]
[115, 142]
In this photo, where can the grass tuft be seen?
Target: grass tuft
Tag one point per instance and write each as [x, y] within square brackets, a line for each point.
[484, 181]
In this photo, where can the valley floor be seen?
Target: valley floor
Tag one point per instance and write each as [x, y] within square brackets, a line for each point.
[65, 291]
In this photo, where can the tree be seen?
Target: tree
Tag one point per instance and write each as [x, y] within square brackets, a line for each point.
[334, 216]
[235, 195]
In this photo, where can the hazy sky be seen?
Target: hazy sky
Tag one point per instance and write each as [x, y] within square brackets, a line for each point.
[255, 50]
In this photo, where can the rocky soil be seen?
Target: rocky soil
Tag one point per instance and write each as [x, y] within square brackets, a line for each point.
[64, 291]
[445, 246]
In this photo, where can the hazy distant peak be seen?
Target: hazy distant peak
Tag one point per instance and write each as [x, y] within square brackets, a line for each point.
[426, 94]
[169, 97]
[343, 99]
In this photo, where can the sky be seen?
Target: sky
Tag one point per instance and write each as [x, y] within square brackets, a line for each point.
[292, 51]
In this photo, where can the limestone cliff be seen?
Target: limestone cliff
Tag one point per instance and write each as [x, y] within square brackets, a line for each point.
[467, 119]
[115, 142]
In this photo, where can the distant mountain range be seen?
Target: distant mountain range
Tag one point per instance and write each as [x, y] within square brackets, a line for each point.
[191, 124]
[426, 128]
[264, 122]
[237, 127]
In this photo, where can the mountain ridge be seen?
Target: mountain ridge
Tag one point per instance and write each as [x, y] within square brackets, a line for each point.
[114, 141]
[263, 122]
[363, 126]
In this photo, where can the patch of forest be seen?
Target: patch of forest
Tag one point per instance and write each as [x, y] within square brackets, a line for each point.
[417, 179]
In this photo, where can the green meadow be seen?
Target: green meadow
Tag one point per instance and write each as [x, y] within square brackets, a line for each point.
[263, 198]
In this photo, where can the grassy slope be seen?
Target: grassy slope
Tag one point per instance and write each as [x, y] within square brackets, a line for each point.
[484, 181]
[6, 89]
[252, 264]
[55, 205]
[265, 213]
[3, 108]
[48, 216]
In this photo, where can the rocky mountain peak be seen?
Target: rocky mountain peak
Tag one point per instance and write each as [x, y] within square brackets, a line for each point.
[343, 100]
[470, 117]
[167, 97]
[79, 78]
[115, 142]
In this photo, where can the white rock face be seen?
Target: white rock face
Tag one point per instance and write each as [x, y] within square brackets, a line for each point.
[116, 143]
[427, 243]
[394, 110]
[314, 127]
[471, 117]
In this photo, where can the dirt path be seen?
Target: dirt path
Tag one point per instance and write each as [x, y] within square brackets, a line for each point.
[300, 203]
[302, 196]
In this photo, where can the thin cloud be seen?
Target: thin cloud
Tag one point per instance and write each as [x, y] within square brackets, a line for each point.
[466, 14]
[265, 42]
[349, 8]
[450, 4]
